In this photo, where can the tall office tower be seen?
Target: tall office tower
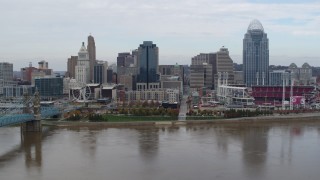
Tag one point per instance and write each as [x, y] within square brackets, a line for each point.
[44, 67]
[6, 71]
[224, 65]
[43, 64]
[26, 72]
[135, 57]
[147, 63]
[72, 62]
[201, 76]
[92, 55]
[83, 65]
[220, 62]
[303, 75]
[203, 58]
[127, 70]
[6, 75]
[256, 55]
[121, 59]
[109, 75]
[100, 72]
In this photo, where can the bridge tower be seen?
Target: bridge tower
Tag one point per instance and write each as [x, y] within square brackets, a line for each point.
[34, 125]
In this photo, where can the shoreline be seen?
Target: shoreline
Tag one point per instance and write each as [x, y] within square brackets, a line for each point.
[292, 118]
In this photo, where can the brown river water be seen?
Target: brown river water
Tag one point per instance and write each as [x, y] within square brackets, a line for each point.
[243, 152]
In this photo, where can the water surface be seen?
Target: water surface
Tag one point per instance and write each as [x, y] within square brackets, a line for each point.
[286, 152]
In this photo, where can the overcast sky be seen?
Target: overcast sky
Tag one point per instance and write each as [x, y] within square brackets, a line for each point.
[53, 30]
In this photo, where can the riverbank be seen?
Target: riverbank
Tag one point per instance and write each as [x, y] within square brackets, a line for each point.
[305, 117]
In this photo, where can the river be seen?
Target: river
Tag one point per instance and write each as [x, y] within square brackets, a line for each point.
[242, 152]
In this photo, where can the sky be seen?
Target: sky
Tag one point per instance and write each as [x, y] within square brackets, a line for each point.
[53, 30]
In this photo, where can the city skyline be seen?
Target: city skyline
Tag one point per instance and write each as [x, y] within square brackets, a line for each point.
[52, 30]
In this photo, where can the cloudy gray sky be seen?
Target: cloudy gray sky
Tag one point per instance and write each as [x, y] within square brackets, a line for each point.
[54, 29]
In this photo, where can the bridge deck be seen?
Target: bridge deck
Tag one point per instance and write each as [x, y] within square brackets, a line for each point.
[17, 118]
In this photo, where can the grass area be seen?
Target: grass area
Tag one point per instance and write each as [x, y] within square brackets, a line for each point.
[124, 118]
[202, 118]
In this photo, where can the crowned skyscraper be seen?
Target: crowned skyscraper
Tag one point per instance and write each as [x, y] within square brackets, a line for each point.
[255, 55]
[82, 69]
[92, 55]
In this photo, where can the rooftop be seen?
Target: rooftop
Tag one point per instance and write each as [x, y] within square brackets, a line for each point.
[255, 25]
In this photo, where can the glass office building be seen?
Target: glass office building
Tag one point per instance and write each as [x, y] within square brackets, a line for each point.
[148, 62]
[100, 72]
[256, 55]
[49, 87]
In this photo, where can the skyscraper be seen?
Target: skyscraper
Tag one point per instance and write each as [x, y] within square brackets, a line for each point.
[92, 55]
[256, 55]
[6, 71]
[100, 72]
[220, 62]
[147, 63]
[121, 59]
[82, 70]
[224, 65]
[72, 63]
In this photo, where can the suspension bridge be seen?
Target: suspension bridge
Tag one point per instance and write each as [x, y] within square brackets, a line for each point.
[26, 111]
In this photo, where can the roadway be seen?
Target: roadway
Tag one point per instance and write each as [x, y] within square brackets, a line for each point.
[183, 109]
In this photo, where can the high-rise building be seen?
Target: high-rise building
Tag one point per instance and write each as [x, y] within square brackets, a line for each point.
[44, 67]
[6, 71]
[72, 62]
[121, 59]
[83, 66]
[100, 72]
[6, 75]
[147, 63]
[109, 75]
[171, 70]
[43, 64]
[201, 76]
[49, 87]
[26, 73]
[127, 81]
[197, 70]
[224, 65]
[219, 62]
[92, 55]
[303, 75]
[255, 55]
[278, 77]
[238, 77]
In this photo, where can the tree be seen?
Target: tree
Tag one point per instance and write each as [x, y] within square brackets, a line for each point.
[138, 103]
[131, 104]
[140, 112]
[156, 112]
[157, 104]
[145, 104]
[152, 103]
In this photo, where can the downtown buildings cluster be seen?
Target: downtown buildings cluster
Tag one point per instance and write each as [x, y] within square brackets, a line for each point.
[137, 75]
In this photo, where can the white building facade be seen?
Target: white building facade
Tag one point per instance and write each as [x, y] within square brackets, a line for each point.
[83, 66]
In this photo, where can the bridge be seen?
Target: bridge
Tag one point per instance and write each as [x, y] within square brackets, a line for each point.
[26, 111]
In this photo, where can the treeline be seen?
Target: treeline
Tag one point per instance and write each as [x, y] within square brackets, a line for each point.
[233, 113]
[149, 111]
[204, 113]
[144, 104]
